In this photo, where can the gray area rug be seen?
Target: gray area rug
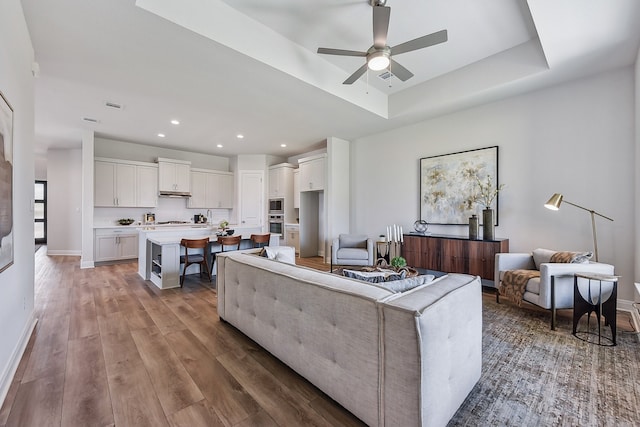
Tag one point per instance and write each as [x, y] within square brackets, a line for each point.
[533, 376]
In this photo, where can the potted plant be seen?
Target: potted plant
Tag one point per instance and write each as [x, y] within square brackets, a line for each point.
[398, 262]
[224, 224]
[485, 196]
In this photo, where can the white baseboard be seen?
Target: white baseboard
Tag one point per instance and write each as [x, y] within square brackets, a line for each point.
[626, 305]
[87, 264]
[63, 253]
[12, 366]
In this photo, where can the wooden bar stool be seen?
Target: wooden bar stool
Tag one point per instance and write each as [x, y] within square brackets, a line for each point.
[260, 240]
[226, 242]
[194, 258]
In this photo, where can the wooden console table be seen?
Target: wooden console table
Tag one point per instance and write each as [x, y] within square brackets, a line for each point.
[453, 254]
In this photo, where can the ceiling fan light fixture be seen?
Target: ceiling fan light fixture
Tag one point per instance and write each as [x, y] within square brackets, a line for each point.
[378, 60]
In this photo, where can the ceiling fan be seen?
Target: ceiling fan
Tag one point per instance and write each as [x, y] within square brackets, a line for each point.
[380, 56]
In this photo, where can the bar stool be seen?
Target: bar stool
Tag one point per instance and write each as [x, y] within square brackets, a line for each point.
[226, 241]
[194, 258]
[260, 240]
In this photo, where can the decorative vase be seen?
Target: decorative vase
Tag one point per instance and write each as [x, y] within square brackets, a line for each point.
[488, 228]
[473, 227]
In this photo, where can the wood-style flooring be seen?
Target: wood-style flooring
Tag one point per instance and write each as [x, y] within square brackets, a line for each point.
[111, 349]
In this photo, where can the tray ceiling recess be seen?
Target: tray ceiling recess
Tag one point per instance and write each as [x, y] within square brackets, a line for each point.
[380, 56]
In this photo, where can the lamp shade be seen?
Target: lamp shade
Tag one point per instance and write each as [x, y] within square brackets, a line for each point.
[554, 202]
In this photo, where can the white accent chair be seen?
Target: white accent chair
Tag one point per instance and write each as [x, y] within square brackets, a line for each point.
[352, 249]
[538, 289]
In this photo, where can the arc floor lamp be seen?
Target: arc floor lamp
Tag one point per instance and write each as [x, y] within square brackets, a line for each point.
[554, 204]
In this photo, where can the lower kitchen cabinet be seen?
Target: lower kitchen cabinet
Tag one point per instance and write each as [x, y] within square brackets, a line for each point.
[115, 244]
[292, 237]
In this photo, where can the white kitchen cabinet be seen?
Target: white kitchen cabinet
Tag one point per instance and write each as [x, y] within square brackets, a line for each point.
[312, 173]
[223, 198]
[115, 244]
[146, 186]
[211, 189]
[281, 181]
[174, 176]
[114, 184]
[292, 236]
[296, 189]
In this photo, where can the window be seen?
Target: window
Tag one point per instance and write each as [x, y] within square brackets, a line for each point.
[40, 212]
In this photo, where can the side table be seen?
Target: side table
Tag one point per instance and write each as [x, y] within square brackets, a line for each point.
[601, 299]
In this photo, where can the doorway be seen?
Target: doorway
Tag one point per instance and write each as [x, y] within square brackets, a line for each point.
[40, 212]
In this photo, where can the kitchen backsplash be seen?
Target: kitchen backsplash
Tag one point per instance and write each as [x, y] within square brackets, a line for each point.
[168, 209]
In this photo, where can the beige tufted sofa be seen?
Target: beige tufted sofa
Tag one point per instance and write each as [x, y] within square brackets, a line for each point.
[392, 359]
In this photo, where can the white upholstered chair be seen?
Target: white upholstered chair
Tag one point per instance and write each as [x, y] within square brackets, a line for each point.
[538, 289]
[352, 249]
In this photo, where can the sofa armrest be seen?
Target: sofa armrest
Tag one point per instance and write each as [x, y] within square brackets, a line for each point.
[512, 261]
[564, 275]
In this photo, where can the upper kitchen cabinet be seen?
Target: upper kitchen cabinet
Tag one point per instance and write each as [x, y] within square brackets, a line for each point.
[312, 173]
[114, 184]
[147, 186]
[174, 176]
[211, 189]
[121, 183]
[281, 181]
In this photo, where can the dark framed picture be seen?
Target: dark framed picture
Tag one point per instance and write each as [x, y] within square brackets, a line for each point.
[455, 186]
[6, 184]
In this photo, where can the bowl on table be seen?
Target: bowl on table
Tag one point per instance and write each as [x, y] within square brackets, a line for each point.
[125, 221]
[229, 232]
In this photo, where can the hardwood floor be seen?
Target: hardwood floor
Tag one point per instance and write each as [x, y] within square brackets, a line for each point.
[111, 349]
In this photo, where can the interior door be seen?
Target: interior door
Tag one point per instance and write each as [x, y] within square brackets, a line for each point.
[251, 198]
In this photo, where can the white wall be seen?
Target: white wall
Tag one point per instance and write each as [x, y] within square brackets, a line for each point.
[64, 202]
[637, 176]
[576, 139]
[16, 282]
[148, 153]
[40, 163]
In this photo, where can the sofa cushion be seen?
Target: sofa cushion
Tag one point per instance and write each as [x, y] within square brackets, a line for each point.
[541, 256]
[353, 241]
[281, 253]
[352, 253]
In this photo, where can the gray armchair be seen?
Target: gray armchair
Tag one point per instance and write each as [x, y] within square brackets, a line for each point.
[352, 249]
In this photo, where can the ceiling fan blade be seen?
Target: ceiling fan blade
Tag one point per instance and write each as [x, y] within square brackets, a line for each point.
[420, 42]
[381, 16]
[399, 71]
[355, 76]
[343, 52]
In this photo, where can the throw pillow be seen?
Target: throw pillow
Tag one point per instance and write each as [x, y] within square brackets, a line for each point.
[571, 257]
[380, 276]
[408, 283]
[285, 254]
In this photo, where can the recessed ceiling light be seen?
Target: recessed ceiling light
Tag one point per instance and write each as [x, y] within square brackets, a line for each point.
[161, 135]
[239, 136]
[175, 122]
[283, 145]
[219, 145]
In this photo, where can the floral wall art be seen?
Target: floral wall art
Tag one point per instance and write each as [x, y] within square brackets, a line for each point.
[455, 186]
[6, 184]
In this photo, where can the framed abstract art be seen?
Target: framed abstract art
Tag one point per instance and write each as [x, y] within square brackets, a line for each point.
[6, 184]
[449, 185]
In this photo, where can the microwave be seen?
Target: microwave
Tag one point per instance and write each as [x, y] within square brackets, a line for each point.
[276, 206]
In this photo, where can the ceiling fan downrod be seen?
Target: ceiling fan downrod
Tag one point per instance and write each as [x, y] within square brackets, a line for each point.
[377, 2]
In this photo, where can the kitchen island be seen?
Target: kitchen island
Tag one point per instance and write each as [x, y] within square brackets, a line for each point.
[159, 250]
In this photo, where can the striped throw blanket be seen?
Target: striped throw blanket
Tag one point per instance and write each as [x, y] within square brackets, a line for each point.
[514, 283]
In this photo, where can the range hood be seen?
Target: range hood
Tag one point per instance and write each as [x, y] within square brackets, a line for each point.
[180, 194]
